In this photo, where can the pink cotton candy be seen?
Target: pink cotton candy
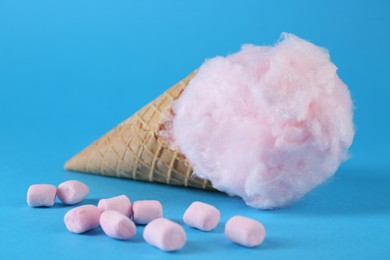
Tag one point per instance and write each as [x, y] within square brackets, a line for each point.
[267, 123]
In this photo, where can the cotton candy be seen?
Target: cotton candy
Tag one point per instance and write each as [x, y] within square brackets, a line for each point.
[268, 123]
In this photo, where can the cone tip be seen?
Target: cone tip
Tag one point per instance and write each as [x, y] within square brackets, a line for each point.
[69, 165]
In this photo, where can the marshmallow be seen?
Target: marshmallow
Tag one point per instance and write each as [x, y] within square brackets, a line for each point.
[82, 218]
[117, 225]
[165, 234]
[245, 231]
[41, 195]
[202, 216]
[145, 211]
[72, 192]
[120, 203]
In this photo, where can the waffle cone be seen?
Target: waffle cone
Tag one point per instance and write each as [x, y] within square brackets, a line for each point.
[134, 149]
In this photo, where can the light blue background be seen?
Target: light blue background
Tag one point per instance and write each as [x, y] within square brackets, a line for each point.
[72, 70]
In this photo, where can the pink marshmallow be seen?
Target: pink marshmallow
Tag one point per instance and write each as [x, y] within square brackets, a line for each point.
[81, 219]
[165, 234]
[41, 195]
[117, 225]
[72, 192]
[145, 211]
[120, 203]
[202, 216]
[245, 231]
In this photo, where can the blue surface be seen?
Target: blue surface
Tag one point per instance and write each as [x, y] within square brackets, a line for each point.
[71, 70]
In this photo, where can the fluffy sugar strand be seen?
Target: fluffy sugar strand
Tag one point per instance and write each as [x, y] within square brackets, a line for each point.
[268, 123]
